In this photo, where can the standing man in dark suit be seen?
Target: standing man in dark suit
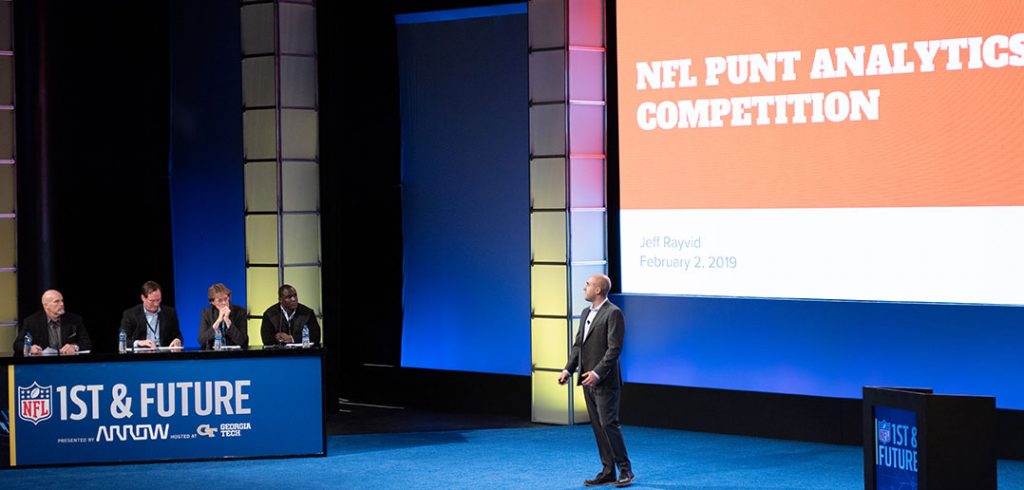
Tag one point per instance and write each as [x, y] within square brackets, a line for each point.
[53, 328]
[283, 322]
[231, 319]
[596, 354]
[151, 324]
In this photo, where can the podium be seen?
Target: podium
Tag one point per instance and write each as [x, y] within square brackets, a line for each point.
[915, 439]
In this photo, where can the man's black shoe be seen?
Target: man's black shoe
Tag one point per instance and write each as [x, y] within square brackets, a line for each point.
[600, 479]
[625, 479]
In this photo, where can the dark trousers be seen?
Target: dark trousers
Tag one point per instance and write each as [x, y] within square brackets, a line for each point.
[603, 409]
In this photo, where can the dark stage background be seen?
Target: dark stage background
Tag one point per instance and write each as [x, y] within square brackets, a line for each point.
[92, 136]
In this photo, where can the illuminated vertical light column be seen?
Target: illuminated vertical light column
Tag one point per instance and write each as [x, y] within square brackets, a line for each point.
[282, 175]
[8, 223]
[567, 189]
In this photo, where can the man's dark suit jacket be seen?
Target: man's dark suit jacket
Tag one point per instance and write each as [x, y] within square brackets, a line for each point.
[274, 322]
[72, 331]
[238, 334]
[135, 326]
[600, 351]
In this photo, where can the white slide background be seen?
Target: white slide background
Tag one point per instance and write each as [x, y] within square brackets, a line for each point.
[929, 254]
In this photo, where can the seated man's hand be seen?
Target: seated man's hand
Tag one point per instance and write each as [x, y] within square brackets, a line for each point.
[176, 343]
[36, 350]
[149, 344]
[68, 349]
[283, 338]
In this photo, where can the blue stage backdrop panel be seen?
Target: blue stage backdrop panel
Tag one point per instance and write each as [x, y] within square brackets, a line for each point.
[465, 198]
[825, 348]
[207, 204]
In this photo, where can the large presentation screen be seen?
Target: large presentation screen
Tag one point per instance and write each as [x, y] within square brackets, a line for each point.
[867, 150]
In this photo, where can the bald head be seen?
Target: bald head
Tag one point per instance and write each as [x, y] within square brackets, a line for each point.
[596, 289]
[53, 304]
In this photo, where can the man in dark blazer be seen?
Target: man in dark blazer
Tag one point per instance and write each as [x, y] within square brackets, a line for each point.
[53, 327]
[231, 319]
[283, 322]
[151, 324]
[595, 353]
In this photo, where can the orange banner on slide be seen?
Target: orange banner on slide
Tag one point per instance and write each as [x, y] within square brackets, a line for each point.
[947, 137]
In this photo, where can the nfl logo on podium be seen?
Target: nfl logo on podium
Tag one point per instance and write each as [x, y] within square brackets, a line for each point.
[884, 432]
[34, 403]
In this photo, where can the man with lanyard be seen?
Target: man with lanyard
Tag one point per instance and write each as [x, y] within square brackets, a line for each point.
[150, 324]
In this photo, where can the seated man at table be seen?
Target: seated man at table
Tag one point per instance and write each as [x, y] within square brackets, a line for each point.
[53, 328]
[283, 321]
[151, 324]
[230, 319]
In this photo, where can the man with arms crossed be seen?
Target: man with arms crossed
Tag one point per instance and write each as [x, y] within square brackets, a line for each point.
[596, 354]
[53, 328]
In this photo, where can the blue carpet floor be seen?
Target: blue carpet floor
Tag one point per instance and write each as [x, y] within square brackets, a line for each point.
[533, 458]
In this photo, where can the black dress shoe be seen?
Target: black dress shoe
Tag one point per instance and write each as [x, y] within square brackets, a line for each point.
[625, 479]
[600, 479]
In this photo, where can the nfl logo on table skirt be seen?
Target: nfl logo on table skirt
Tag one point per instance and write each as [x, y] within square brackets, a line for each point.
[884, 432]
[35, 403]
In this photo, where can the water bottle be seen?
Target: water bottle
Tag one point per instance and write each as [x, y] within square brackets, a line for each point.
[218, 339]
[305, 336]
[122, 342]
[28, 344]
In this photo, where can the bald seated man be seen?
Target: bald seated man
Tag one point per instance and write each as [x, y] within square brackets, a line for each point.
[53, 327]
